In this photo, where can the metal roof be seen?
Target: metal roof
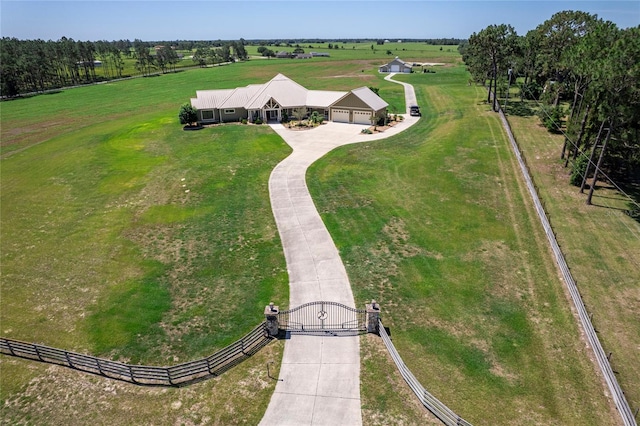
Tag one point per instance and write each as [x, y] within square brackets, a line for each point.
[286, 92]
[323, 98]
[369, 97]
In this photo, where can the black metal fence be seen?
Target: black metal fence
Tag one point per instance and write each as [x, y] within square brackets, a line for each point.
[323, 317]
[176, 375]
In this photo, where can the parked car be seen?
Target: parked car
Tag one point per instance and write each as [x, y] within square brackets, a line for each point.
[415, 111]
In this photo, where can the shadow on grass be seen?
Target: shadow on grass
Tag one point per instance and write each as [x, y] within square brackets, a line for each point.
[633, 190]
[521, 109]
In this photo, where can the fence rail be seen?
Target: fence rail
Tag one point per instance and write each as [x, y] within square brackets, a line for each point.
[433, 404]
[176, 375]
[605, 367]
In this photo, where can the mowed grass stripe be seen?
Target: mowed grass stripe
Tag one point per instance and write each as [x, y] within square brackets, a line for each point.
[435, 225]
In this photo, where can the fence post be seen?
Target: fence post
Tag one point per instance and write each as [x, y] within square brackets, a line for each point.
[271, 317]
[373, 317]
[38, 353]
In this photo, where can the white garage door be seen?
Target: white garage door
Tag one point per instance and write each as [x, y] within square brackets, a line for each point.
[340, 115]
[395, 68]
[362, 117]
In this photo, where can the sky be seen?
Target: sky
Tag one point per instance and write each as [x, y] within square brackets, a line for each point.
[152, 20]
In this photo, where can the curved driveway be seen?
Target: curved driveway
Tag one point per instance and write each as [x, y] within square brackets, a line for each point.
[320, 375]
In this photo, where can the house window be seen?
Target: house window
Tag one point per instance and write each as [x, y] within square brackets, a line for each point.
[207, 115]
[229, 111]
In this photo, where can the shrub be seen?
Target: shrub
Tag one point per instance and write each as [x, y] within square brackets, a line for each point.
[366, 131]
[316, 118]
[579, 168]
[258, 121]
[243, 121]
[188, 114]
[551, 118]
[531, 90]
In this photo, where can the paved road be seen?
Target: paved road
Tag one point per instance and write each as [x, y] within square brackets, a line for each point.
[409, 93]
[320, 376]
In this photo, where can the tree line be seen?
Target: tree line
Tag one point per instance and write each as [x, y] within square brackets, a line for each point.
[226, 52]
[584, 73]
[36, 65]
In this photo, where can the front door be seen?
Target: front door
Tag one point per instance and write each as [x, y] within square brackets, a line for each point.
[272, 115]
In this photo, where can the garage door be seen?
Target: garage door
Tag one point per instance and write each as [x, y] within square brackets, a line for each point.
[395, 68]
[362, 117]
[340, 115]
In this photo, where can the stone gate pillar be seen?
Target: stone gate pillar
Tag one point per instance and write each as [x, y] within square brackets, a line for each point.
[373, 317]
[271, 318]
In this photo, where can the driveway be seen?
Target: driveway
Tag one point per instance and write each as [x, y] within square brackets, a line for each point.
[320, 376]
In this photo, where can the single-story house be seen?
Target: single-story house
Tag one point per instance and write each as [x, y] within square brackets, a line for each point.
[397, 65]
[283, 54]
[281, 95]
[320, 54]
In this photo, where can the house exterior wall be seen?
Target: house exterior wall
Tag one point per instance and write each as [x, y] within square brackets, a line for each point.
[325, 103]
[351, 101]
[214, 119]
[237, 114]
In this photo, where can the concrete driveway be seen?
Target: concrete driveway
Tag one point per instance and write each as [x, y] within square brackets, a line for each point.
[320, 375]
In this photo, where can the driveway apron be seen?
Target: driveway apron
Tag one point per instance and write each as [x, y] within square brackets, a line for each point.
[319, 382]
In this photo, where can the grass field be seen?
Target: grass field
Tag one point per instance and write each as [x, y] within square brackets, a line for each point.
[602, 247]
[98, 228]
[436, 226]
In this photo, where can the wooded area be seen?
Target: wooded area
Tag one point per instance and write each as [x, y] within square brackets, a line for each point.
[36, 65]
[583, 74]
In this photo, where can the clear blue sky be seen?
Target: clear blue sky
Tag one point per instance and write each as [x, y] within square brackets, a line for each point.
[262, 19]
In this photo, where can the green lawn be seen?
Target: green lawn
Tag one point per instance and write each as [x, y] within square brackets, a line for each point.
[104, 250]
[435, 224]
[125, 236]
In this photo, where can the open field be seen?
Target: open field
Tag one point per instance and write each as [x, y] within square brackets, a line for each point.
[124, 236]
[97, 227]
[436, 226]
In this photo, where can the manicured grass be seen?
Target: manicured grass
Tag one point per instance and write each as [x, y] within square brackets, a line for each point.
[435, 224]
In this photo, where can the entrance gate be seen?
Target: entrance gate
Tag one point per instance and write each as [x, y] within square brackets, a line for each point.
[323, 316]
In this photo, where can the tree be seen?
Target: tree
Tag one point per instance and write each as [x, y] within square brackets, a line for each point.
[490, 53]
[239, 52]
[188, 114]
[144, 61]
[300, 113]
[200, 56]
[166, 57]
[224, 53]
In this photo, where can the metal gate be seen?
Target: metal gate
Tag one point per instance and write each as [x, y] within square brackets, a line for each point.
[323, 316]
